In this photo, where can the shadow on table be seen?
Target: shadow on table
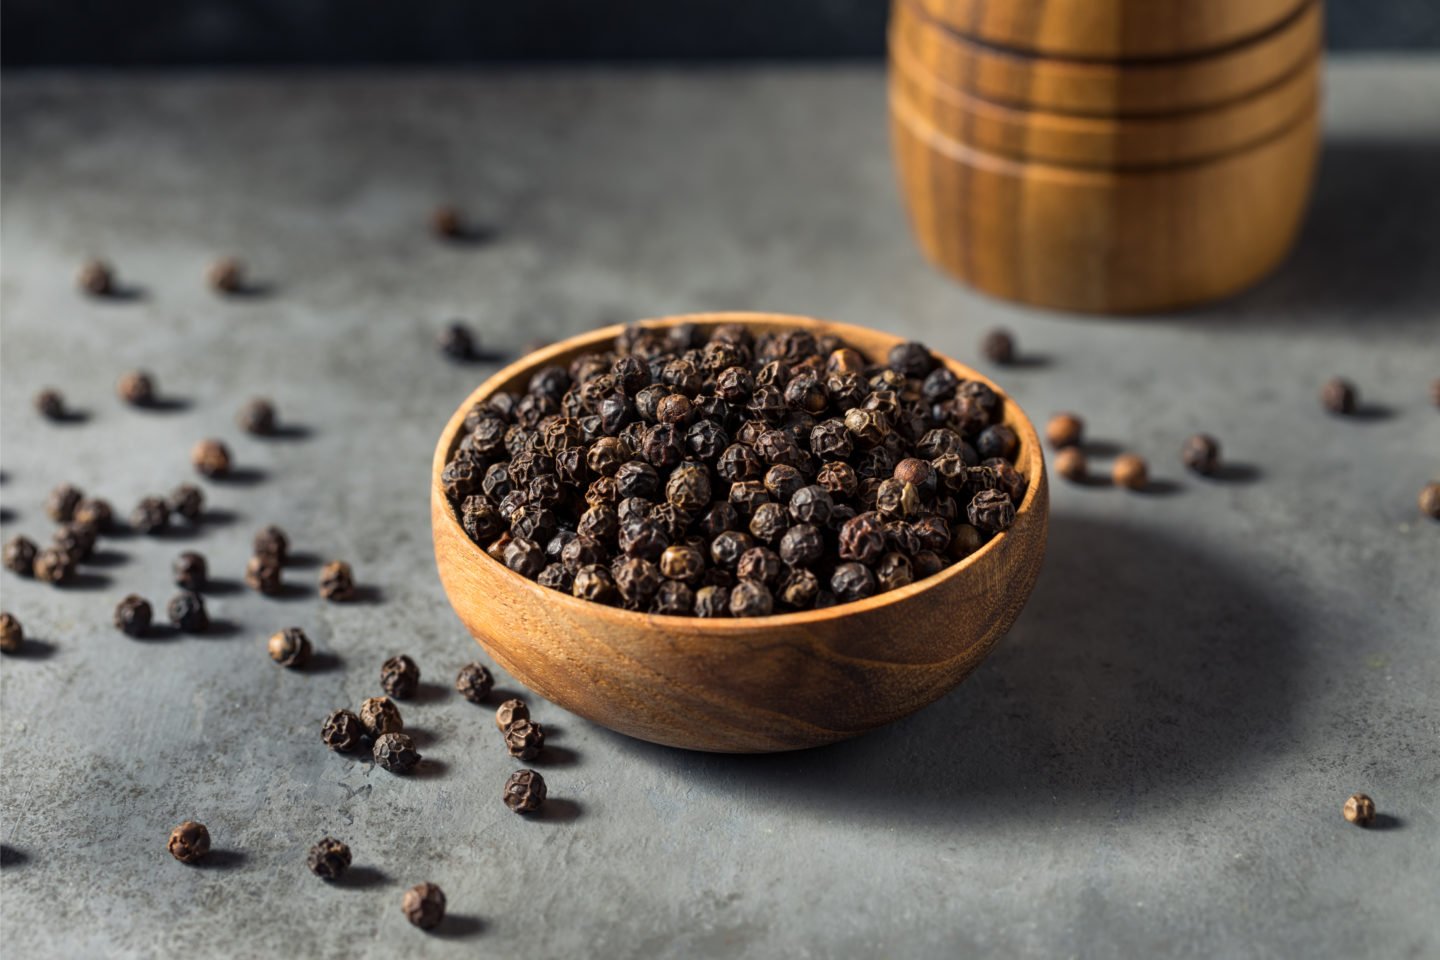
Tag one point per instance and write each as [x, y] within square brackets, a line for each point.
[1141, 664]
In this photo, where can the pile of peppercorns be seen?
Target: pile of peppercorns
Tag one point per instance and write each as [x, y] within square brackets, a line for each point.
[735, 475]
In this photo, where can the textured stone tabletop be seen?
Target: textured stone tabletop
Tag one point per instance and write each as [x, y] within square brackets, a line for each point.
[1151, 764]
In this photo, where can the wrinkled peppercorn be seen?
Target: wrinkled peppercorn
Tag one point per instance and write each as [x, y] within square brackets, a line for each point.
[474, 682]
[712, 601]
[1360, 810]
[1430, 500]
[750, 598]
[189, 571]
[380, 715]
[1201, 454]
[1071, 464]
[852, 581]
[187, 611]
[75, 540]
[761, 565]
[12, 634]
[61, 503]
[1338, 395]
[290, 647]
[20, 555]
[998, 346]
[991, 511]
[188, 501]
[50, 404]
[342, 731]
[271, 542]
[328, 859]
[211, 458]
[1129, 471]
[595, 583]
[524, 739]
[525, 557]
[257, 417]
[151, 515]
[94, 513]
[424, 905]
[96, 278]
[136, 388]
[524, 791]
[338, 583]
[400, 677]
[53, 565]
[133, 616]
[262, 573]
[395, 752]
[456, 341]
[510, 711]
[189, 842]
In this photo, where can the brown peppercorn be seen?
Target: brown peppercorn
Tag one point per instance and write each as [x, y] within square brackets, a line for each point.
[918, 473]
[50, 404]
[524, 739]
[1338, 395]
[400, 677]
[96, 278]
[290, 647]
[1071, 464]
[20, 555]
[1065, 430]
[211, 458]
[424, 905]
[712, 601]
[760, 564]
[1360, 810]
[1130, 471]
[750, 598]
[12, 634]
[1201, 454]
[271, 542]
[522, 555]
[342, 731]
[1430, 500]
[133, 616]
[862, 538]
[61, 503]
[76, 540]
[447, 223]
[189, 571]
[379, 715]
[474, 682]
[189, 842]
[682, 562]
[524, 791]
[257, 417]
[262, 573]
[510, 711]
[998, 346]
[136, 388]
[595, 583]
[94, 513]
[337, 582]
[151, 515]
[894, 571]
[328, 859]
[395, 752]
[187, 612]
[53, 565]
[188, 501]
[226, 275]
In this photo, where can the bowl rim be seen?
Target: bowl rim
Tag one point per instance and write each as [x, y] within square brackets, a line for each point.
[1016, 418]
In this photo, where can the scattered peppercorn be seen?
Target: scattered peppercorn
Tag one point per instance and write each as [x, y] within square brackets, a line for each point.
[395, 752]
[1338, 396]
[133, 616]
[53, 565]
[1065, 430]
[1071, 464]
[456, 342]
[525, 791]
[136, 388]
[257, 417]
[998, 346]
[1430, 500]
[474, 682]
[328, 859]
[75, 540]
[337, 582]
[271, 542]
[511, 711]
[379, 715]
[211, 458]
[524, 739]
[12, 634]
[342, 731]
[1360, 810]
[96, 278]
[1201, 454]
[290, 647]
[94, 513]
[226, 275]
[188, 501]
[446, 223]
[151, 515]
[424, 905]
[189, 571]
[1130, 471]
[262, 573]
[187, 612]
[189, 842]
[61, 503]
[20, 555]
[400, 677]
[50, 404]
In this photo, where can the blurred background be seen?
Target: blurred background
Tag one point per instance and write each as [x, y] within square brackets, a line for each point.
[329, 32]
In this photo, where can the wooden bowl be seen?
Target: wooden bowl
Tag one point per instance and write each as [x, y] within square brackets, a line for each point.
[746, 685]
[1112, 29]
[1106, 89]
[1097, 240]
[1109, 142]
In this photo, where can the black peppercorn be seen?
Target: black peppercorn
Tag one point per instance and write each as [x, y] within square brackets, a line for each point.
[637, 579]
[712, 601]
[761, 565]
[524, 791]
[400, 677]
[1339, 396]
[456, 341]
[395, 752]
[211, 458]
[862, 539]
[910, 359]
[151, 515]
[12, 634]
[290, 647]
[136, 388]
[188, 501]
[424, 905]
[187, 612]
[189, 842]
[96, 278]
[20, 555]
[190, 571]
[689, 487]
[53, 565]
[342, 731]
[50, 404]
[1360, 810]
[510, 711]
[257, 417]
[226, 275]
[524, 739]
[769, 522]
[594, 582]
[997, 440]
[379, 715]
[1201, 454]
[674, 598]
[262, 573]
[750, 598]
[525, 557]
[852, 581]
[133, 616]
[991, 511]
[474, 682]
[894, 571]
[271, 542]
[328, 859]
[76, 540]
[61, 503]
[998, 347]
[337, 582]
[94, 513]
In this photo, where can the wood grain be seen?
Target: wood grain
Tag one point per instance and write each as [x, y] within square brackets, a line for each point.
[1110, 142]
[1112, 29]
[747, 685]
[1103, 241]
[1099, 88]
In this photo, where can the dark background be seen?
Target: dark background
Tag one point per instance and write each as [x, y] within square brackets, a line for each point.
[241, 32]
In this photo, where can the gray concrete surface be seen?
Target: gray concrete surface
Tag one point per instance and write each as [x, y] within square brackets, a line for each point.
[1151, 764]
